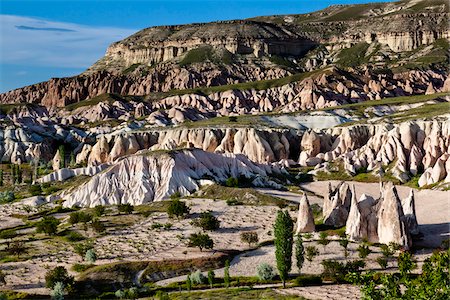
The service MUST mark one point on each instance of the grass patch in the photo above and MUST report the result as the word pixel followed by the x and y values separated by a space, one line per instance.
pixel 353 56
pixel 207 53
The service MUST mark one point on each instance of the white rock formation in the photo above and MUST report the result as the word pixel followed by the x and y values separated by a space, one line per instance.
pixel 305 217
pixel 409 209
pixel 336 205
pixel 146 177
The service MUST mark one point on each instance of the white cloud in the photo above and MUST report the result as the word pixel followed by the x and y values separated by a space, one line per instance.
pixel 34 42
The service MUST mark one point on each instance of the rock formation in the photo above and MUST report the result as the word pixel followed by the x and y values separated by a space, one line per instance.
pixel 305 217
pixel 336 205
pixel 409 210
pixel 146 177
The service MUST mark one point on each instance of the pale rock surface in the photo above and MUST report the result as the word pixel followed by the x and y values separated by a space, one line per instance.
pixel 305 217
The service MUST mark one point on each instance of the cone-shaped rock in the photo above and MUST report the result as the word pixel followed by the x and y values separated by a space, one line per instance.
pixel 392 226
pixel 409 209
pixel 337 205
pixel 305 219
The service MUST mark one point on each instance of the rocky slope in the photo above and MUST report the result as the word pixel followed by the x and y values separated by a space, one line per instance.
pixel 160 59
pixel 143 178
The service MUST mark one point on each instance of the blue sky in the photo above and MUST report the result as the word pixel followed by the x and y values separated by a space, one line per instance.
pixel 42 39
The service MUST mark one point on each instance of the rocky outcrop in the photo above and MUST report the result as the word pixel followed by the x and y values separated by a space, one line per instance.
pixel 336 205
pixel 305 217
pixel 64 174
pixel 409 210
pixel 362 222
pixel 146 177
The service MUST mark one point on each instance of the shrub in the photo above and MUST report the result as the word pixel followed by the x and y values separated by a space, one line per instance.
pixel 198 278
pixel 249 237
pixel 200 240
pixel 405 263
pixel 81 267
pixel 17 248
pixel 177 209
pixel 299 252
pixel 232 182
pixel 73 236
pixel 343 241
pixel 90 256
pixel 307 236
pixel 57 292
pixel 310 253
pixel 132 293
pixel 35 190
pixel 363 251
pixel 79 217
pixel 58 274
pixel 2 277
pixel 265 272
pixel 99 211
pixel 156 225
pixel 234 202
pixel 161 295
pixel 226 274
pixel 232 119
pixel 125 208
pixel 120 294
pixel 7 197
pixel 188 283
pixel 98 226
pixel 323 239
pixel 386 251
pixel 175 195
pixel 167 226
pixel 382 262
pixel 48 225
pixel 82 248
pixel 207 221
pixel 307 280
pixel 336 271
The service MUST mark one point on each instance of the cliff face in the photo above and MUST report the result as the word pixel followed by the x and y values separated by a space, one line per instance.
pixel 160 59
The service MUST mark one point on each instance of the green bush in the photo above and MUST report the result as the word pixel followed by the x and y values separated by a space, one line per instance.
pixel 7 197
pixel 249 237
pixel 232 182
pixel 79 217
pixel 98 226
pixel 200 240
pixel 90 256
pixel 234 202
pixel 48 225
pixel 35 190
pixel 81 267
pixel 363 251
pixel 73 236
pixel 125 208
pixel 99 210
pixel 58 274
pixel 265 272
pixel 336 271
pixel 177 209
pixel 207 221
pixel 382 262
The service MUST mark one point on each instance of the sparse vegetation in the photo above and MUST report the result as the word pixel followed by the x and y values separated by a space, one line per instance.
pixel 249 237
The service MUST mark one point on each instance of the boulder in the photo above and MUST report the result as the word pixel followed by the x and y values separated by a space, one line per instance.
pixel 305 218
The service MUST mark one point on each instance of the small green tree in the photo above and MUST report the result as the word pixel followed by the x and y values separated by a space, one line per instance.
pixel 120 294
pixel 299 252
pixel 62 156
pixel 386 251
pixel 82 248
pixel 17 248
pixel 232 182
pixel 1 177
pixel 405 263
pixel 226 274
pixel 177 209
pixel 58 274
pixel 249 237
pixel 382 262
pixel 35 190
pixel 90 256
pixel 48 225
pixel 310 253
pixel 19 175
pixel 201 241
pixel 211 277
pixel 99 210
pixel 98 226
pixel 207 221
pixel 2 277
pixel 323 239
pixel 283 230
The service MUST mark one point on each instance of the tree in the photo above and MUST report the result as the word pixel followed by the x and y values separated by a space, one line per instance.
pixel 226 274
pixel 386 251
pixel 2 277
pixel 405 263
pixel 323 239
pixel 198 278
pixel 90 256
pixel 8 235
pixel 265 272
pixel 211 277
pixel 299 252
pixel 35 190
pixel 62 156
pixel 1 177
pixel 57 292
pixel 19 175
pixel 249 237
pixel 200 240
pixel 125 208
pixel 48 225
pixel 207 221
pixel 283 229
pixel 311 252
pixel 58 274
pixel 232 182
pixel 79 217
pixel 177 209
pixel 343 241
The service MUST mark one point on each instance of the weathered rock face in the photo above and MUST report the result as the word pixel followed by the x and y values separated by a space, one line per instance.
pixel 384 220
pixel 143 178
pixel 305 218
pixel 392 226
pixel 336 205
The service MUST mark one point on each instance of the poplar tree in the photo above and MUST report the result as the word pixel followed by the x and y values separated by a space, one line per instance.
pixel 283 231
